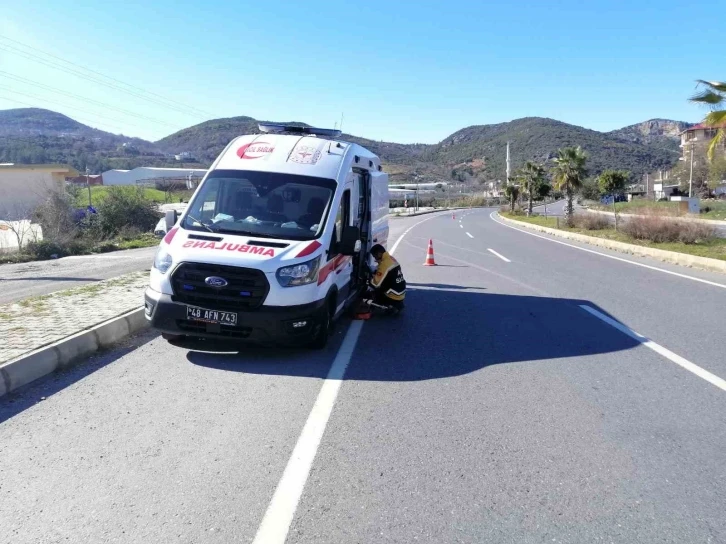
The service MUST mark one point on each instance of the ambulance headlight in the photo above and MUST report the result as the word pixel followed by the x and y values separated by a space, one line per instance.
pixel 299 274
pixel 162 260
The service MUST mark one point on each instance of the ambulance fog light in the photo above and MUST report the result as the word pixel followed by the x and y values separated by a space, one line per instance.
pixel 299 324
pixel 148 308
pixel 298 274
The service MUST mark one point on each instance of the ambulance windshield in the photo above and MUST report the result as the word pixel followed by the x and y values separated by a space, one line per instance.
pixel 263 204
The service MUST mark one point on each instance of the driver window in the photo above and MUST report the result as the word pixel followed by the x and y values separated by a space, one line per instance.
pixel 341 219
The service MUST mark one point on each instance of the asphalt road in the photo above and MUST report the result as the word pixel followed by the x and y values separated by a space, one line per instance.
pixel 496 409
pixel 20 281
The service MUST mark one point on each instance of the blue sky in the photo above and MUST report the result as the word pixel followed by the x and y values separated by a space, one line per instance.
pixel 399 70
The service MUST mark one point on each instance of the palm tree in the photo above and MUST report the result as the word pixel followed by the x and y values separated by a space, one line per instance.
pixel 568 173
pixel 532 175
pixel 512 192
pixel 713 95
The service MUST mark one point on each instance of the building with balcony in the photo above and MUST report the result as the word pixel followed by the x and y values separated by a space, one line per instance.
pixel 698 138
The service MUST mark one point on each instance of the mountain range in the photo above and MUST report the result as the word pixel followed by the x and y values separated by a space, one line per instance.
pixel 475 153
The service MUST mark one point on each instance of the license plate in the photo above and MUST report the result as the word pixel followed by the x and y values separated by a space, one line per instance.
pixel 211 316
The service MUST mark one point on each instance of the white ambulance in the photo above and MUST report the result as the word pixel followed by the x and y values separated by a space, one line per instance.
pixel 273 245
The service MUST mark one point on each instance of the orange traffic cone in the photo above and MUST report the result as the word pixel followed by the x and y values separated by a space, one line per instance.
pixel 430 255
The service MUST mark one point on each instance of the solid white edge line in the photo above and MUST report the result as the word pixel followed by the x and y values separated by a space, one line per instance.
pixel 281 510
pixel 502 257
pixel 469 235
pixel 668 354
pixel 693 278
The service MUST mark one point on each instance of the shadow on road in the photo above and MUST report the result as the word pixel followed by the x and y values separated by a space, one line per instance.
pixel 33 393
pixel 445 333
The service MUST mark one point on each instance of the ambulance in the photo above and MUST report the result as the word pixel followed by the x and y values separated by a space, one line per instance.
pixel 273 246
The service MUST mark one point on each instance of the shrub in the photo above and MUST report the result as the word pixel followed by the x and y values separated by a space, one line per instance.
pixel 591 221
pixel 126 207
pixel 56 217
pixel 45 249
pixel 660 229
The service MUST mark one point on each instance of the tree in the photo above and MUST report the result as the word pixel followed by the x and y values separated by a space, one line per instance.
pixel 613 182
pixel 568 173
pixel 512 193
pixel 714 95
pixel 532 176
pixel 717 172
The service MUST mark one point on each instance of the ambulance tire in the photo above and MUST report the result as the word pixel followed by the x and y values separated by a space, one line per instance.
pixel 321 333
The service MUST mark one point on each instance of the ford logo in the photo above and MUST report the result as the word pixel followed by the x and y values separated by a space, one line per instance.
pixel 216 281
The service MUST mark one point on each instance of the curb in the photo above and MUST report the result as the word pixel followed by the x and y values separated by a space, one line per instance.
pixel 682 259
pixel 70 350
pixel 676 217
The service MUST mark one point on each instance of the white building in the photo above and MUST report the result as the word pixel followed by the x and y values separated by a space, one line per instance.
pixel 147 174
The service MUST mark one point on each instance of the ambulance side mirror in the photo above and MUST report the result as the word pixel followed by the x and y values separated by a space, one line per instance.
pixel 350 241
pixel 170 217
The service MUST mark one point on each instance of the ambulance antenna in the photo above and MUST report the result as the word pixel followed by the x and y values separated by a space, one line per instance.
pixel 341 122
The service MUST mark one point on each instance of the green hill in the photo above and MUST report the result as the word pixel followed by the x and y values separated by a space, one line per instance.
pixel 475 153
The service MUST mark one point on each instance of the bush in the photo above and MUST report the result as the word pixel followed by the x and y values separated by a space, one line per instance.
pixel 56 217
pixel 662 230
pixel 591 221
pixel 126 207
pixel 45 249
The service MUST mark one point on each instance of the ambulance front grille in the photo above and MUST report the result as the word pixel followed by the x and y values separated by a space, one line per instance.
pixel 246 288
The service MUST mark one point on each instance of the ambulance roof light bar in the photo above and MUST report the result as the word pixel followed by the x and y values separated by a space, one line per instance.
pixel 276 129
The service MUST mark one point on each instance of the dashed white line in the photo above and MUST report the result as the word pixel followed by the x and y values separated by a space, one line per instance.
pixel 469 235
pixel 461 226
pixel 668 354
pixel 502 257
pixel 393 249
pixel 610 256
pixel 281 510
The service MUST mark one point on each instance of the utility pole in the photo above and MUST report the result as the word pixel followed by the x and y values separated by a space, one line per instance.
pixel 88 184
pixel 509 170
pixel 690 177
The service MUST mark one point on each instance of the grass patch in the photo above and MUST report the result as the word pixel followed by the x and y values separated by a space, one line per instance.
pixel 16 258
pixel 710 209
pixel 713 249
pixel 99 192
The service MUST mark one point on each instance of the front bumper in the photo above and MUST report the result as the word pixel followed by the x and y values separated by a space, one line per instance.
pixel 265 325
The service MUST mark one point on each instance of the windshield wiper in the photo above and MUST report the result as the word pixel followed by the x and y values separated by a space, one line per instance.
pixel 203 224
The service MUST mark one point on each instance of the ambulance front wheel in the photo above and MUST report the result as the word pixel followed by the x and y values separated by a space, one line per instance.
pixel 322 329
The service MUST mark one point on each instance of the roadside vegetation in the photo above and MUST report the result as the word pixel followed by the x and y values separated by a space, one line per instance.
pixel 710 209
pixel 124 219
pixel 655 231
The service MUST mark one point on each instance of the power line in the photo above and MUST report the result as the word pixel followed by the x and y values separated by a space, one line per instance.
pixel 42 99
pixel 45 53
pixel 114 127
pixel 84 99
pixel 94 79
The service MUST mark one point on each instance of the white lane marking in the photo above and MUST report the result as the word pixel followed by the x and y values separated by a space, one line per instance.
pixel 469 235
pixel 395 246
pixel 611 256
pixel 278 517
pixel 502 257
pixel 461 226
pixel 281 510
pixel 668 354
